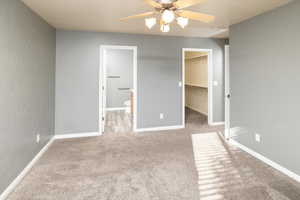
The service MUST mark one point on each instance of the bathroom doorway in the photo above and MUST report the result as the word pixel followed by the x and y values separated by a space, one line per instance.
pixel 118 89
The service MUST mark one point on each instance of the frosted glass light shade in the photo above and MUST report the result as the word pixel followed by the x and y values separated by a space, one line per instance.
pixel 168 16
pixel 150 22
pixel 182 21
pixel 165 28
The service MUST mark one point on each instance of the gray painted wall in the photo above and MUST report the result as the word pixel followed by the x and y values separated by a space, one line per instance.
pixel 27 73
pixel 159 71
pixel 265 69
pixel 119 63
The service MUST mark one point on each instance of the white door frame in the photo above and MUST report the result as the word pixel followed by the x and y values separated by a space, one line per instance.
pixel 102 83
pixel 210 82
pixel 227 92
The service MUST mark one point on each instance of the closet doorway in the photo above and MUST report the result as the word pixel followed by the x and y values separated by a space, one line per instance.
pixel 197 88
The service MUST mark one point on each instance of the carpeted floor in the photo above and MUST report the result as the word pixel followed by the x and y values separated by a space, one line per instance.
pixel 189 164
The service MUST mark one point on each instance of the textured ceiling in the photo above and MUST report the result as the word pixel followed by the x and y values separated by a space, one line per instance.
pixel 103 15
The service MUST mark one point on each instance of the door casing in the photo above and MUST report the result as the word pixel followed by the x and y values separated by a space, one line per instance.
pixel 210 82
pixel 227 93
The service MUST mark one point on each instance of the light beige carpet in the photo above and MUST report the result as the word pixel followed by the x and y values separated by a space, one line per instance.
pixel 225 172
pixel 184 164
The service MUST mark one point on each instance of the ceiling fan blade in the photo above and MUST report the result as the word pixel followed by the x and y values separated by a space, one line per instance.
pixel 138 16
pixel 180 4
pixel 153 3
pixel 196 16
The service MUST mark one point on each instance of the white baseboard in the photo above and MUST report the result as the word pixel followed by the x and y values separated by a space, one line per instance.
pixel 77 135
pixel 19 178
pixel 217 123
pixel 266 160
pixel 161 128
pixel 114 109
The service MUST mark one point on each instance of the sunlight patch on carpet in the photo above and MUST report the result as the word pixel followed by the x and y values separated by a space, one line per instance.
pixel 217 175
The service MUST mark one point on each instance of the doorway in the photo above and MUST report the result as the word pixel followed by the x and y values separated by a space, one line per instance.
pixel 118 89
pixel 197 87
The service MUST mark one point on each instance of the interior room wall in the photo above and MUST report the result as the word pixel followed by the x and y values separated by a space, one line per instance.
pixel 159 74
pixel 196 82
pixel 27 78
pixel 264 71
pixel 119 69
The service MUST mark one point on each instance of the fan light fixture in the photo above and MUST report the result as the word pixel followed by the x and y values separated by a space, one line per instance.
pixel 182 21
pixel 167 10
pixel 168 16
pixel 150 22
pixel 165 28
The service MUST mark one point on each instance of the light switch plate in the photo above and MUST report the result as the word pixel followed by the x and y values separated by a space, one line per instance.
pixel 180 84
pixel 38 138
pixel 257 137
pixel 161 116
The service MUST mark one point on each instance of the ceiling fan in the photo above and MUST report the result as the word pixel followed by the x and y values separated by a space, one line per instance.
pixel 169 10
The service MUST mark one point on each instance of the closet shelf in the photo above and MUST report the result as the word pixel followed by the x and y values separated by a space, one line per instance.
pixel 195 85
pixel 193 57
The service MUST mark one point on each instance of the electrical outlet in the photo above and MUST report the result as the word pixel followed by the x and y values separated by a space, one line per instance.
pixel 257 137
pixel 161 116
pixel 38 138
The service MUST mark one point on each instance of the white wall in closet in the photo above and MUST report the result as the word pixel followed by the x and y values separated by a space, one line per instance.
pixel 196 81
